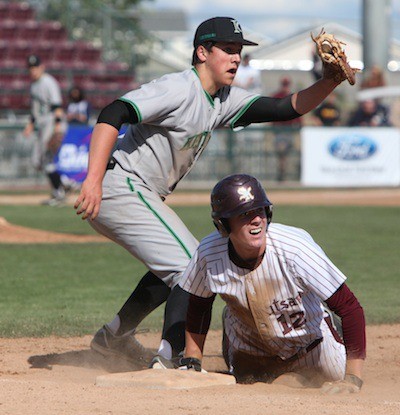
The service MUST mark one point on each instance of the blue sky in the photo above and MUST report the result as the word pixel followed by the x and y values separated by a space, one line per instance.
pixel 278 19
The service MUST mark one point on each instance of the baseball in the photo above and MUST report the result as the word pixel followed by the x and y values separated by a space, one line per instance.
pixel 326 47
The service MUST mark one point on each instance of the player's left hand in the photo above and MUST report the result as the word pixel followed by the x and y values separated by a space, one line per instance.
pixel 89 200
pixel 350 384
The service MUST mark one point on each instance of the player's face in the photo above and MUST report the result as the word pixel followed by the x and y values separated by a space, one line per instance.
pixel 223 61
pixel 35 72
pixel 248 233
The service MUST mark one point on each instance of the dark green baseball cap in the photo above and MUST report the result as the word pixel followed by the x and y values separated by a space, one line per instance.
pixel 220 29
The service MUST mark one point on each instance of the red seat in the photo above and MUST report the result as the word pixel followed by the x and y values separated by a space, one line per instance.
pixel 10 64
pixel 20 11
pixel 117 66
pixel 20 51
pixel 15 101
pixel 64 52
pixel 4 11
pixel 87 53
pixel 8 30
pixel 53 31
pixel 29 30
pixel 44 50
pixel 3 50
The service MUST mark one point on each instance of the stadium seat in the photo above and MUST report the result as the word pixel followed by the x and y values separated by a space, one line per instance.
pixel 64 52
pixel 53 31
pixel 87 53
pixel 19 52
pixel 3 49
pixel 29 30
pixel 4 11
pixel 20 11
pixel 44 50
pixel 8 30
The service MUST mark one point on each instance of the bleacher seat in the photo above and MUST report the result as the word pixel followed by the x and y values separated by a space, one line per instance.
pixel 44 49
pixel 85 52
pixel 4 11
pixel 16 101
pixel 53 31
pixel 8 30
pixel 64 52
pixel 71 62
pixel 29 30
pixel 20 11
pixel 3 49
pixel 19 52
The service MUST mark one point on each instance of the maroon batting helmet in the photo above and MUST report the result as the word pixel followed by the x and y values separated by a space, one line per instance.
pixel 234 195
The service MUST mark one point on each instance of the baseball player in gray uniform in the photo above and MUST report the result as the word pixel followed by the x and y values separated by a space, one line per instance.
pixel 171 120
pixel 273 279
pixel 47 117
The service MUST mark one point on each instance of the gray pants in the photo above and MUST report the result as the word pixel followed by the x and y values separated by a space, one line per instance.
pixel 137 219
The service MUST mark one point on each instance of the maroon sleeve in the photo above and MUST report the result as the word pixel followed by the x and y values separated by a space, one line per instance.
pixel 346 306
pixel 198 317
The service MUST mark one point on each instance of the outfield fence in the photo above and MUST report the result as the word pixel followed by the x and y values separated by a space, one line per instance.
pixel 257 150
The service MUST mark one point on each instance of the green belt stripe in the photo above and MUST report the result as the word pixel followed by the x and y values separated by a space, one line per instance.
pixel 174 235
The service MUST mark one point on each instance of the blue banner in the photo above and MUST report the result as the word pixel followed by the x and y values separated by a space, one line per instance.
pixel 72 157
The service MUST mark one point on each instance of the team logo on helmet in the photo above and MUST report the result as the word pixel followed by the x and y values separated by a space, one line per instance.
pixel 245 194
pixel 236 26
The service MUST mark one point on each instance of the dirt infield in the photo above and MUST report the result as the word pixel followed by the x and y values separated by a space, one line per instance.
pixel 57 376
pixel 357 197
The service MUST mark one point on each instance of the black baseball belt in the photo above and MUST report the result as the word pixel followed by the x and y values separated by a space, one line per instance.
pixel 304 351
pixel 111 163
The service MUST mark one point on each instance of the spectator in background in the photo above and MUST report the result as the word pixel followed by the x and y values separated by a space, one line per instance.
pixel 247 77
pixel 328 114
pixel 284 139
pixel 78 109
pixel 370 114
pixel 48 119
pixel 316 70
pixel 374 78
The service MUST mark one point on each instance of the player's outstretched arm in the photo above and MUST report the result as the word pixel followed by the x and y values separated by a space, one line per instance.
pixel 308 99
pixel 103 139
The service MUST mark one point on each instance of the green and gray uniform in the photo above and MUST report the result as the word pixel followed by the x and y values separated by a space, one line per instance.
pixel 176 118
pixel 45 97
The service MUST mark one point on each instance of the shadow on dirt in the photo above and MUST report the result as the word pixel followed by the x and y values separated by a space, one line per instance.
pixel 88 359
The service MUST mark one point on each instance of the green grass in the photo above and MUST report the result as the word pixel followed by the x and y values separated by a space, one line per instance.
pixel 71 289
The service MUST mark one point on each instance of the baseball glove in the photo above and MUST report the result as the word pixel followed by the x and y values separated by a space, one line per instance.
pixel 334 58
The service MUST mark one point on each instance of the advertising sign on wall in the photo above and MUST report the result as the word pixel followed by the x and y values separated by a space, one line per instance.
pixel 351 157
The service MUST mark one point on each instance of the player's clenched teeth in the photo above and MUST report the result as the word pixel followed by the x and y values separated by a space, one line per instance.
pixel 255 231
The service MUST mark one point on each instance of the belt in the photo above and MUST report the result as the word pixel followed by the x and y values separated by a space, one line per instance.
pixel 111 164
pixel 304 351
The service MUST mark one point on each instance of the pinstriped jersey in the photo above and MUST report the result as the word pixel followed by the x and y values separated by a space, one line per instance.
pixel 275 309
pixel 176 118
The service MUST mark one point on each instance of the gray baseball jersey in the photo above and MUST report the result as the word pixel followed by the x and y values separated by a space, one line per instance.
pixel 45 93
pixel 276 309
pixel 176 120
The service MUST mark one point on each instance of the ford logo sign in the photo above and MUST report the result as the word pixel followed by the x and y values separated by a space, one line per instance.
pixel 352 147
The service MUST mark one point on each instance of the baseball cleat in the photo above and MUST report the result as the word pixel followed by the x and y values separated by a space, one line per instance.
pixel 159 362
pixel 125 347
